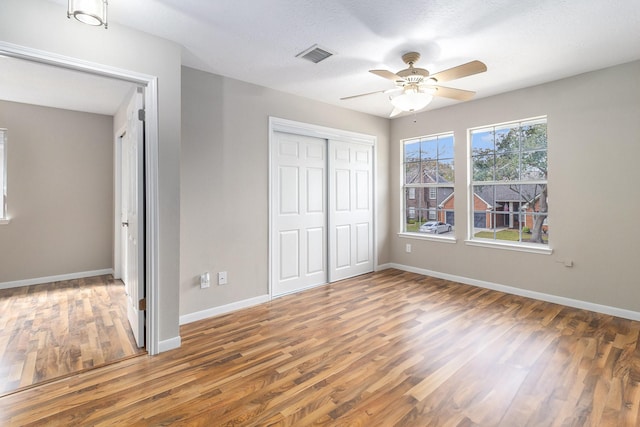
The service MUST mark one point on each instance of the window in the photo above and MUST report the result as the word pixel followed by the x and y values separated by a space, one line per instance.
pixel 3 174
pixel 509 183
pixel 412 193
pixel 428 181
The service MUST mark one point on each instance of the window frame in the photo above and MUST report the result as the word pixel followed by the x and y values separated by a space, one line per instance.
pixel 424 189
pixel 497 181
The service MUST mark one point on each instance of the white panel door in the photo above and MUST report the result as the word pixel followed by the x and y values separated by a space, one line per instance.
pixel 298 211
pixel 133 217
pixel 350 209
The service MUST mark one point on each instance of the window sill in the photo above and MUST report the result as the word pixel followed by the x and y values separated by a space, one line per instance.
pixel 4 221
pixel 510 247
pixel 431 237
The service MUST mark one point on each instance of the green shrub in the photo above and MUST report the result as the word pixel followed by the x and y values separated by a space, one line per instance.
pixel 526 230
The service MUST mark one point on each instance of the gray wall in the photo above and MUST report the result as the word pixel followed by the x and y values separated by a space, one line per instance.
pixel 43 25
pixel 594 203
pixel 60 199
pixel 224 181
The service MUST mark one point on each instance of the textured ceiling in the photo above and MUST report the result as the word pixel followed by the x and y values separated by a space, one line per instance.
pixel 522 42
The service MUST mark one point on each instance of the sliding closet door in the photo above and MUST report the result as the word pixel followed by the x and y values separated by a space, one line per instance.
pixel 350 209
pixel 298 209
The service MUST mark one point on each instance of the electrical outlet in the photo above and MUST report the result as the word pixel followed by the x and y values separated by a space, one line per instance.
pixel 407 248
pixel 205 280
pixel 222 278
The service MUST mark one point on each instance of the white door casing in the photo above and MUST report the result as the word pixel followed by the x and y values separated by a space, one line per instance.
pixel 347 229
pixel 299 207
pixel 350 209
pixel 152 231
pixel 133 217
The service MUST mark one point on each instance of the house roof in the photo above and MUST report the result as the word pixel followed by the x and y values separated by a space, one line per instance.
pixel 499 194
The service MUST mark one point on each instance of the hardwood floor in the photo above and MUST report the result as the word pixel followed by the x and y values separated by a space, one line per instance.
pixel 56 329
pixel 383 349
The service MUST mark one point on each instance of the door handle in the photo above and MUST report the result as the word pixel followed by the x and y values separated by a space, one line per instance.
pixel 125 224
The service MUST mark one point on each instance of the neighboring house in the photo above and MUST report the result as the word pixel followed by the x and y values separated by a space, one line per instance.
pixel 422 202
pixel 506 208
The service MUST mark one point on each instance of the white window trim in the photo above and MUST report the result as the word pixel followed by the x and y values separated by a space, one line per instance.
pixel 431 237
pixel 498 244
pixel 402 207
pixel 519 247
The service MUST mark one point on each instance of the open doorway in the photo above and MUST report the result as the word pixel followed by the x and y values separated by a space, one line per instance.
pixel 143 241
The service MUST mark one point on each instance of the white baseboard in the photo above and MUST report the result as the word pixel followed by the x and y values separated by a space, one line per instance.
pixel 585 305
pixel 381 267
pixel 223 309
pixel 58 278
pixel 169 344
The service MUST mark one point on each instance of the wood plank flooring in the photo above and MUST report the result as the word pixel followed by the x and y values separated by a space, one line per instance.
pixel 55 329
pixel 383 349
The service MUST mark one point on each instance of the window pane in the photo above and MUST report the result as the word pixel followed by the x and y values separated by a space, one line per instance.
pixel 412 151
pixel 411 173
pixel 507 139
pixel 445 147
pixel 449 217
pixel 483 168
pixel 446 172
pixel 429 149
pixel 535 228
pixel 482 141
pixel 507 167
pixel 445 197
pixel 534 165
pixel 429 172
pixel 534 135
pixel 411 202
pixel 411 224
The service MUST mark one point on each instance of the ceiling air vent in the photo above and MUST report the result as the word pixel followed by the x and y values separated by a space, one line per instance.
pixel 315 54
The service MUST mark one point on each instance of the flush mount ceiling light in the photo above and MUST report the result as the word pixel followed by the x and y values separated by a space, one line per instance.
pixel 91 12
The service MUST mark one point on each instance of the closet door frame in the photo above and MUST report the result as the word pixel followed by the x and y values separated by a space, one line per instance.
pixel 299 128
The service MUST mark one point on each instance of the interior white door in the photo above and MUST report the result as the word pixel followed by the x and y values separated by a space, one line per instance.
pixel 350 209
pixel 298 211
pixel 133 216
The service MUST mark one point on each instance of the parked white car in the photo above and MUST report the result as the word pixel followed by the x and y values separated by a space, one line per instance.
pixel 436 227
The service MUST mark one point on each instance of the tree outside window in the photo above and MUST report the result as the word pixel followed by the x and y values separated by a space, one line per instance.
pixel 509 182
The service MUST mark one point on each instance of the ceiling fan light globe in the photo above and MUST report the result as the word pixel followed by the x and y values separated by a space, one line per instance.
pixel 411 100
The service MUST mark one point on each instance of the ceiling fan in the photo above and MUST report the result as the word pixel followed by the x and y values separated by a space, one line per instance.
pixel 417 87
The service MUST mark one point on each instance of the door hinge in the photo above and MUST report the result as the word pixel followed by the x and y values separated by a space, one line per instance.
pixel 141 115
pixel 142 304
